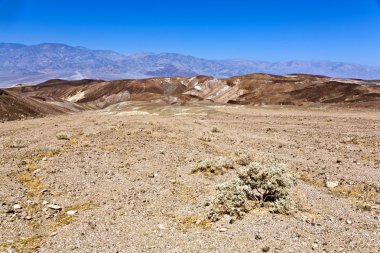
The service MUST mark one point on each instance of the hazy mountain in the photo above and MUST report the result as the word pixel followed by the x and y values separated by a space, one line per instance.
pixel 33 64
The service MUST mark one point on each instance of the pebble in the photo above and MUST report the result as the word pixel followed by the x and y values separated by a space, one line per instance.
pixel 161 226
pixel 265 249
pixel 28 217
pixel 54 207
pixel 45 202
pixel 71 212
pixel 222 229
pixel 172 181
pixel 332 184
pixel 17 206
pixel 44 159
pixel 348 222
pixel 11 250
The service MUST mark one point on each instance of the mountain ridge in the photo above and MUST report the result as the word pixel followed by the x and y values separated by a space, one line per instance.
pixel 37 63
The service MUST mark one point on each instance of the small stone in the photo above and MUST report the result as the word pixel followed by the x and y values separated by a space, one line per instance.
pixel 223 229
pixel 153 175
pixel 332 184
pixel 258 237
pixel 28 217
pixel 348 222
pixel 11 250
pixel 54 207
pixel 45 202
pixel 44 159
pixel 161 226
pixel 43 190
pixel 72 212
pixel 54 233
pixel 172 181
pixel 17 206
pixel 265 249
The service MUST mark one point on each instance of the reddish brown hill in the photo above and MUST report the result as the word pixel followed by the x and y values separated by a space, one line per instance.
pixel 297 89
pixel 14 106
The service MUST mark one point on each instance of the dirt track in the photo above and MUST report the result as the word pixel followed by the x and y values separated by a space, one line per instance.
pixel 126 171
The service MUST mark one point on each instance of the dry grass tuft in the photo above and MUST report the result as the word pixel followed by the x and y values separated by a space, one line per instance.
pixel 192 222
pixel 22 245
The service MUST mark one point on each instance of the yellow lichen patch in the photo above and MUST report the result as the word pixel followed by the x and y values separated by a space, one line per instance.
pixel 371 158
pixel 64 219
pixel 184 192
pixel 80 207
pixel 32 183
pixel 23 244
pixel 363 194
pixel 192 222
pixel 360 142
pixel 310 181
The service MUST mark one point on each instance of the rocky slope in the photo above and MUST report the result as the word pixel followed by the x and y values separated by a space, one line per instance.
pixel 14 106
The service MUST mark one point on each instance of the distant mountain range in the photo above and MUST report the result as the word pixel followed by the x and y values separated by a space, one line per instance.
pixel 34 64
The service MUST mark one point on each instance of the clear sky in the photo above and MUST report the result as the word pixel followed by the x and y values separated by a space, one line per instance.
pixel 335 30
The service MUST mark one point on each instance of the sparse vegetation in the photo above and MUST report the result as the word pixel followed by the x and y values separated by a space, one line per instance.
pixel 216 166
pixel 215 130
pixel 205 137
pixel 256 186
pixel 63 136
pixel 192 222
pixel 16 144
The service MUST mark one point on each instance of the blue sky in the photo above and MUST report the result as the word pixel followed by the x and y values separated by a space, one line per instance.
pixel 335 30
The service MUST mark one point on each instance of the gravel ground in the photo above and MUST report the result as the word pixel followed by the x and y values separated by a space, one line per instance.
pixel 120 180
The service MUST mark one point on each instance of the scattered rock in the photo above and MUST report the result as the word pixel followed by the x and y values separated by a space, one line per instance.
pixel 153 175
pixel 258 237
pixel 331 184
pixel 161 226
pixel 17 206
pixel 44 159
pixel 265 249
pixel 11 250
pixel 72 212
pixel 54 207
pixel 348 222
pixel 222 229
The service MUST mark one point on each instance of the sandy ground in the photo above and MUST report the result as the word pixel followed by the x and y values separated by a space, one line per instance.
pixel 125 172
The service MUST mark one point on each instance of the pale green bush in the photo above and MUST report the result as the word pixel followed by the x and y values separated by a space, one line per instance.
pixel 256 186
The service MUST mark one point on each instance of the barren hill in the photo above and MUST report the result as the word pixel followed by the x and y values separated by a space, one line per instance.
pixel 14 106
pixel 255 89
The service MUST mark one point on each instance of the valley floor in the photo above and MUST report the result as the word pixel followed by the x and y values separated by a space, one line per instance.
pixel 125 172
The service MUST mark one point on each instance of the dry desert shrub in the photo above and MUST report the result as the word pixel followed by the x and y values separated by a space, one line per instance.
pixel 256 186
pixel 217 166
pixel 63 136
pixel 206 137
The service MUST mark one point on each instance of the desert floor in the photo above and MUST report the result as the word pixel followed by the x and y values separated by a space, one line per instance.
pixel 125 172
